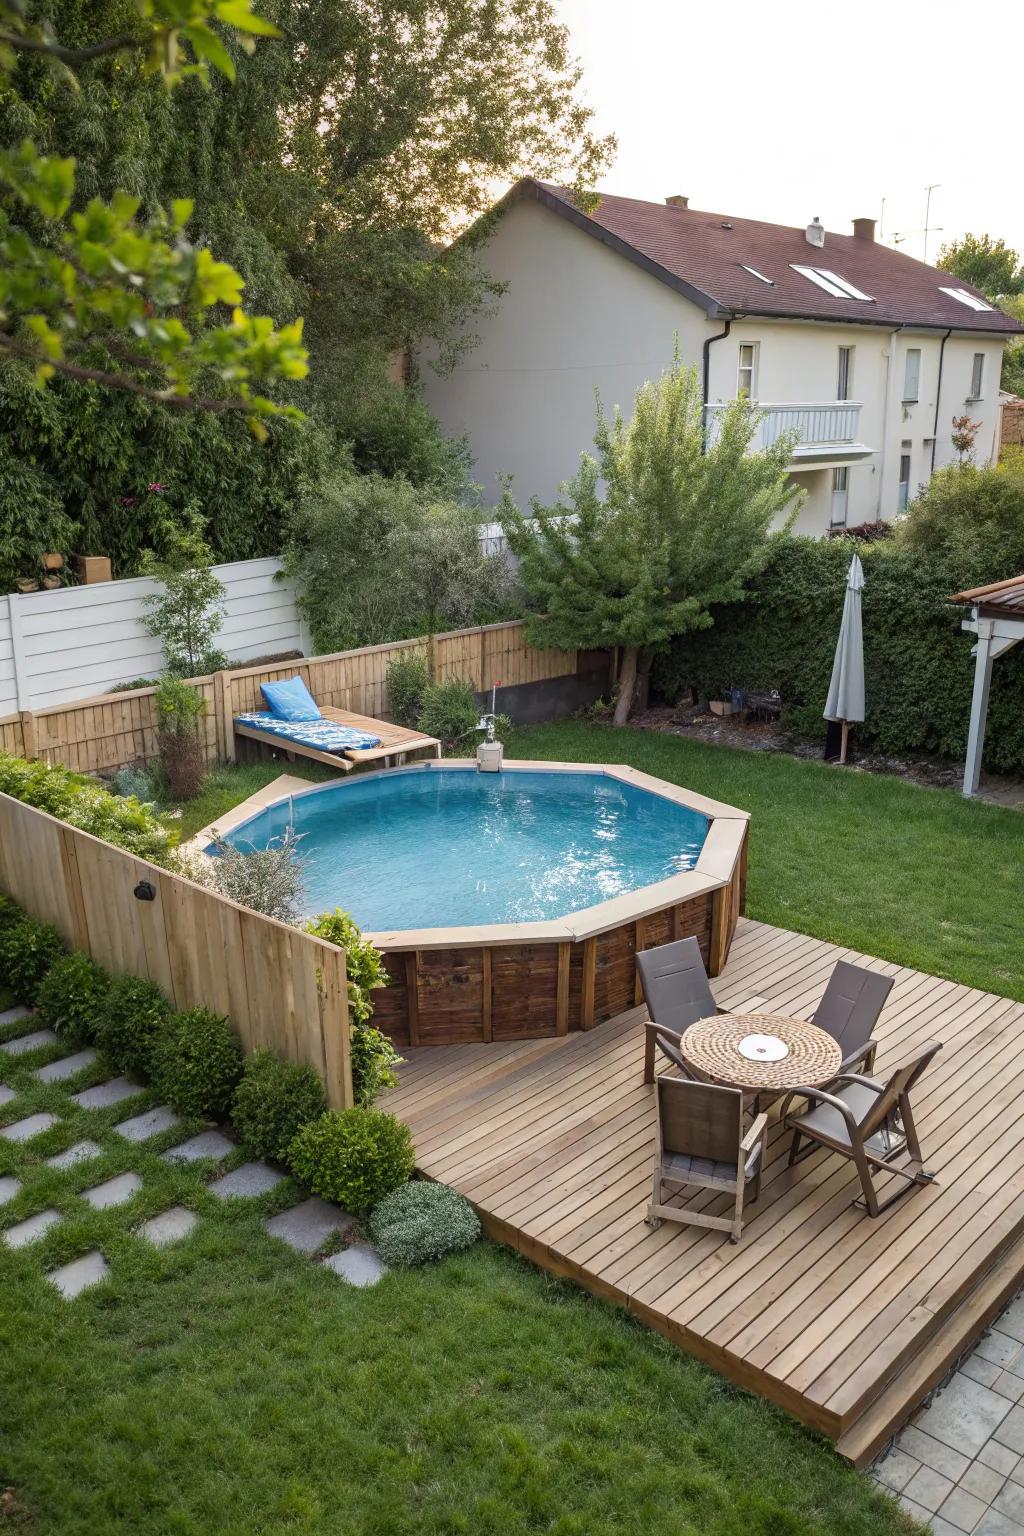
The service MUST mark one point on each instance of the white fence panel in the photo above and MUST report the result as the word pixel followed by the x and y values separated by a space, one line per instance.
pixel 8 676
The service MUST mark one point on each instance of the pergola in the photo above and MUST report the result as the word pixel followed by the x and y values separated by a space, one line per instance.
pixel 997 618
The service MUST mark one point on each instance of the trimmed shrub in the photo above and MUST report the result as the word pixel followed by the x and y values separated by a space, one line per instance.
pixel 197 1061
pixel 422 1222
pixel 364 965
pixel 407 681
pixel 10 912
pixel 272 1103
pixel 267 880
pixel 83 804
pixel 355 1157
pixel 449 712
pixel 374 1059
pixel 72 998
pixel 134 1014
pixel 27 951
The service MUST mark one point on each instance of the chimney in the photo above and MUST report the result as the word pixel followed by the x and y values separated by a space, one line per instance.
pixel 677 200
pixel 814 234
pixel 864 229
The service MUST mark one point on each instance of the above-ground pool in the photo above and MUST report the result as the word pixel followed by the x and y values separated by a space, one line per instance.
pixel 512 905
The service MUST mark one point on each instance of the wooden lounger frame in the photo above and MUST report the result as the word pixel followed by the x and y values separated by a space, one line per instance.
pixel 395 742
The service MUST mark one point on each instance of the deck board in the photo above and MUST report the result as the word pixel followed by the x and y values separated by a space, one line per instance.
pixel 818 1308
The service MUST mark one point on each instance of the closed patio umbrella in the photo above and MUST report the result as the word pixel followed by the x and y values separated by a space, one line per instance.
pixel 846 690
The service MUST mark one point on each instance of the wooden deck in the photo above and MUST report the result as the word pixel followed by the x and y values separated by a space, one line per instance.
pixel 844 1321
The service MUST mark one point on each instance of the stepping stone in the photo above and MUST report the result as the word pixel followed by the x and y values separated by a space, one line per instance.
pixel 6 1094
pixel 965 1414
pixel 359 1265
pixel 24 1130
pixel 8 1189
pixel 81 1152
pixel 304 1227
pixel 66 1066
pixel 150 1123
pixel 71 1279
pixel 25 1232
pixel 206 1144
pixel 22 1044
pixel 169 1227
pixel 114 1191
pixel 105 1094
pixel 249 1180
pixel 13 1015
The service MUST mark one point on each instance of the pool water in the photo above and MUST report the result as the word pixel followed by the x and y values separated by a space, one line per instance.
pixel 453 847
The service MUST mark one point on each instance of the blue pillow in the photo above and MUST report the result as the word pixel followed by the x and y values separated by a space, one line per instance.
pixel 290 700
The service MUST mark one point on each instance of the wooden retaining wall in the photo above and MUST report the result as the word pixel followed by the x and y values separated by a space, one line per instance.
pixel 280 988
pixel 100 735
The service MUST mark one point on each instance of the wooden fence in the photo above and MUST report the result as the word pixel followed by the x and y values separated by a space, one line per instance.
pixel 279 987
pixel 102 734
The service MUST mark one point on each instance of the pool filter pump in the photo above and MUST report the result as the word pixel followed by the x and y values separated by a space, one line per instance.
pixel 490 751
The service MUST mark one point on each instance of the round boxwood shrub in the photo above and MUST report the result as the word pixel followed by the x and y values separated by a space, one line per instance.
pixel 72 997
pixel 134 1014
pixel 272 1103
pixel 421 1222
pixel 27 950
pixel 196 1062
pixel 355 1157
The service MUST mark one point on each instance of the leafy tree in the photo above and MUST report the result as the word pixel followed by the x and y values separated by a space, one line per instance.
pixel 187 615
pixel 973 518
pixel 1012 379
pixel 679 524
pixel 986 263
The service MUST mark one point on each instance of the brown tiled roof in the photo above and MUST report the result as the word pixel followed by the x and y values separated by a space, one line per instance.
pixel 999 597
pixel 702 256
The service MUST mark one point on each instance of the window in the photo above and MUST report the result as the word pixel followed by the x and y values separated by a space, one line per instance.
pixel 844 383
pixel 832 283
pixel 970 299
pixel 759 275
pixel 912 376
pixel 903 494
pixel 840 495
pixel 746 378
pixel 977 376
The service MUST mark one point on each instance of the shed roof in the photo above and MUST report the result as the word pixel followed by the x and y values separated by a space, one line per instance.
pixel 999 597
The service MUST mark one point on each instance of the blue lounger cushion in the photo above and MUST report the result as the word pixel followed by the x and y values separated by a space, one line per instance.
pixel 290 700
pixel 322 735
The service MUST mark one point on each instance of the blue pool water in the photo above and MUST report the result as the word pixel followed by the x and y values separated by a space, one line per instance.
pixel 440 848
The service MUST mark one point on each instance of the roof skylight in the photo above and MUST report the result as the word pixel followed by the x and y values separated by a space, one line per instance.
pixel 970 299
pixel 832 283
pixel 759 275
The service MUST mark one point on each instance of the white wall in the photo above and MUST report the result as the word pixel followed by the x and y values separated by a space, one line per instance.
pixel 80 641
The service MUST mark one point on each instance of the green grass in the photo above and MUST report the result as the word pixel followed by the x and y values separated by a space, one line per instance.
pixel 225 787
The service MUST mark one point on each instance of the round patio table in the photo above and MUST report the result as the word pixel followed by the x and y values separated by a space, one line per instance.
pixel 761 1052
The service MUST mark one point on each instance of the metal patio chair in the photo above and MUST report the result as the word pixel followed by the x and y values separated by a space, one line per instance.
pixel 702 1143
pixel 868 1121
pixel 849 1010
pixel 677 993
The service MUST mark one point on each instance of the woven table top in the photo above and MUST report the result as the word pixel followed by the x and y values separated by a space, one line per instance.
pixel 712 1047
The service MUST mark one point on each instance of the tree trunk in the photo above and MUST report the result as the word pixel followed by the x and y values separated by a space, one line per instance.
pixel 627 684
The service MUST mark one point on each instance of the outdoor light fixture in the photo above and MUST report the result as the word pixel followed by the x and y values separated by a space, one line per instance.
pixel 144 891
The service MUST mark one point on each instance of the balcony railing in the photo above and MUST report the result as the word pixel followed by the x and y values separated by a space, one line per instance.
pixel 816 428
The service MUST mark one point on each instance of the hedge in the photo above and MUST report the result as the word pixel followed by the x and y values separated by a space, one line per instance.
pixel 919 672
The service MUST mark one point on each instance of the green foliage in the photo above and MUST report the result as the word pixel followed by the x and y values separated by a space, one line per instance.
pixel 986 263
pixel 407 682
pixel 374 1060
pixel 272 1103
pixel 448 711
pixel 196 1062
pixel 72 998
pixel 189 612
pixel 392 433
pixel 179 708
pixel 136 780
pixel 135 1014
pixel 27 951
pixel 82 803
pixel 355 1157
pixel 972 517
pixel 422 1222
pixel 364 964
pixel 267 880
pixel 1012 379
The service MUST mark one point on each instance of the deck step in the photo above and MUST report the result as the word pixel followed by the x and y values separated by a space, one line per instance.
pixel 861 1443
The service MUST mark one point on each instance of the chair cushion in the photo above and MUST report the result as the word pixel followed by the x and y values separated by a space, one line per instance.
pixel 823 1120
pixel 290 700
pixel 706 1170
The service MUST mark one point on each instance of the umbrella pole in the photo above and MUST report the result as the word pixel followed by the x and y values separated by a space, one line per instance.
pixel 846 738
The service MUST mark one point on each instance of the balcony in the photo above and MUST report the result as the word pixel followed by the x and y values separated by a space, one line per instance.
pixel 825 434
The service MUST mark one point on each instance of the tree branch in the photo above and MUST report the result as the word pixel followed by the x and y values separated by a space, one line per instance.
pixel 122 381
pixel 72 57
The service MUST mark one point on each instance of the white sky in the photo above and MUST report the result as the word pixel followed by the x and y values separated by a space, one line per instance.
pixel 782 109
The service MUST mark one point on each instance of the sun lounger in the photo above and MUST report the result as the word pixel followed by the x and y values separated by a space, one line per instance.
pixel 339 738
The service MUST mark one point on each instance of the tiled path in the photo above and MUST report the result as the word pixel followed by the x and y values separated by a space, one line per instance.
pixel 307 1227
pixel 959 1464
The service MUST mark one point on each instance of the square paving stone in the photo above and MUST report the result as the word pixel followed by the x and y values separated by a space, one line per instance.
pixel 1000 1348
pixel 928 1488
pixel 24 1130
pixel 980 1370
pixel 965 1414
pixel 1012 1320
pixel 206 1144
pixel 169 1227
pixel 304 1227
pixel 66 1066
pixel 942 1458
pixel 996 1524
pixel 150 1123
pixel 359 1265
pixel 1011 1502
pixel 105 1094
pixel 22 1044
pixel 918 1511
pixel 984 1482
pixel 963 1509
pixel 6 1094
pixel 12 1015
pixel 1011 1430
pixel 8 1189
pixel 251 1179
pixel 114 1191
pixel 81 1152
pixel 1009 1384
pixel 1000 1457
pixel 26 1232
pixel 71 1279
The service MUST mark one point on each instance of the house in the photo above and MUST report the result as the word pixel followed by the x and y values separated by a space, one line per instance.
pixel 862 352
